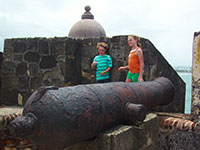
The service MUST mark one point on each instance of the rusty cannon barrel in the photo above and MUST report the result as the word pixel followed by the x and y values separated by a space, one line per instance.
pixel 54 118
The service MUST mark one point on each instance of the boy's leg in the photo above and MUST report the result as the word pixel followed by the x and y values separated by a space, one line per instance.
pixel 103 81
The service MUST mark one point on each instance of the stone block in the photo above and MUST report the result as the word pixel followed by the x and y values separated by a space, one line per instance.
pixel 24 95
pixel 43 46
pixel 20 46
pixel 125 137
pixel 35 82
pixel 9 80
pixel 58 46
pixel 18 57
pixel 21 69
pixel 178 140
pixel 48 62
pixel 9 67
pixel 8 50
pixel 31 57
pixel 23 82
pixel 10 110
pixel 33 69
pixel 10 96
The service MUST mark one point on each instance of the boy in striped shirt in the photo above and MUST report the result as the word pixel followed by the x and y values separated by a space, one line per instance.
pixel 102 63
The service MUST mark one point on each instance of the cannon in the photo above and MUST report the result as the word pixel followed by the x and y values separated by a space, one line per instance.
pixel 54 118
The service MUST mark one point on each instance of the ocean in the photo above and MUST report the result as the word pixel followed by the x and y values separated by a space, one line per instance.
pixel 187 78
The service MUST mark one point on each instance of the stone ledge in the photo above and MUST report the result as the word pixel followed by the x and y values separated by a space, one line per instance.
pixel 125 137
pixel 183 122
pixel 6 110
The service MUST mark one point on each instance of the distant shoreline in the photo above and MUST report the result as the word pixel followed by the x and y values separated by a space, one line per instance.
pixel 183 69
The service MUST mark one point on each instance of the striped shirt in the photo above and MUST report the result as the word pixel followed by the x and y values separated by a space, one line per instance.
pixel 103 62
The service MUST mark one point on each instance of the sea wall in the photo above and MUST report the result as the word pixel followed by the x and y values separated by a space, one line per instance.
pixel 33 62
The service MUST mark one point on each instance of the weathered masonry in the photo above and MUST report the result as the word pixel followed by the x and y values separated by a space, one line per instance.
pixel 33 62
pixel 196 73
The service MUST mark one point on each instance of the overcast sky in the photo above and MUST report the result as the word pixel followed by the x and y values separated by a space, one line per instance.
pixel 168 24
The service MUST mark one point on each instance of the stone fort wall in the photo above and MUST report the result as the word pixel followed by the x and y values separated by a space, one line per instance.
pixel 33 62
pixel 196 74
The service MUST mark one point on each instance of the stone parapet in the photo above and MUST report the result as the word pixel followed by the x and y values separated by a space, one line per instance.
pixel 182 122
pixel 178 132
pixel 123 137
pixel 33 62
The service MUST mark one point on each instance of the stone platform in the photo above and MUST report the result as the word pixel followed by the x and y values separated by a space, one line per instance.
pixel 125 137
pixel 6 110
pixel 122 137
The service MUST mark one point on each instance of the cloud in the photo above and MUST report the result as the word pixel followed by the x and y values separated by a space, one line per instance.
pixel 169 25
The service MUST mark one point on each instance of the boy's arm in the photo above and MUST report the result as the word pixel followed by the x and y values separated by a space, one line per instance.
pixel 109 66
pixel 93 65
pixel 105 71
